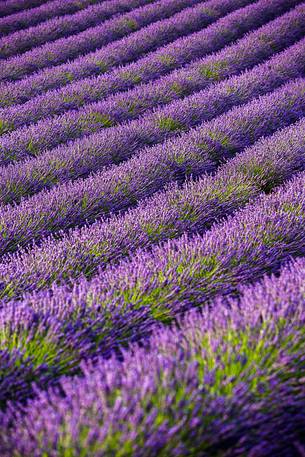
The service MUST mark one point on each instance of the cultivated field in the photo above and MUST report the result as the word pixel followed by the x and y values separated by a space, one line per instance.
pixel 152 228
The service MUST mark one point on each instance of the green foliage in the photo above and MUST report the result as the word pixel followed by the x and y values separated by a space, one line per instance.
pixel 88 119
pixel 68 76
pixel 98 249
pixel 35 346
pixel 218 137
pixel 293 209
pixel 169 124
pixel 32 148
pixel 242 351
pixel 177 88
pixel 238 189
pixel 15 188
pixel 74 99
pixel 132 77
pixel 213 71
pixel 187 212
pixel 5 126
pixel 132 106
pixel 205 269
pixel 158 231
pixel 129 23
pixel 167 59
pixel 185 159
pixel 55 164
pixel 101 66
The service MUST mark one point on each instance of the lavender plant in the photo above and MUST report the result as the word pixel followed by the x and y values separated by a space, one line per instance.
pixel 152 238
pixel 105 193
pixel 179 274
pixel 191 209
pixel 250 50
pixel 56 27
pixel 127 49
pixel 174 55
pixel 153 128
pixel 9 7
pixel 226 355
pixel 21 14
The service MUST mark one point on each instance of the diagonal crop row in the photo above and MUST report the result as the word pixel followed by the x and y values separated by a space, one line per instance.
pixel 192 153
pixel 65 325
pixel 152 228
pixel 207 401
pixel 118 144
pixel 166 121
pixel 9 7
pixel 21 14
pixel 247 52
pixel 179 274
pixel 126 49
pixel 63 26
pixel 127 27
pixel 194 208
pixel 152 66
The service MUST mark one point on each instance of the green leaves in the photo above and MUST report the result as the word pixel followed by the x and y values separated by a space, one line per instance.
pixel 169 124
pixel 213 70
pixel 5 126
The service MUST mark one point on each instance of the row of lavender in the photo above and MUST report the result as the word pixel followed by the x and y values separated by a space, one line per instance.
pixel 96 37
pixel 228 381
pixel 208 387
pixel 166 58
pixel 125 50
pixel 189 209
pixel 58 165
pixel 9 7
pixel 250 50
pixel 57 27
pixel 107 192
pixel 169 121
pixel 21 14
pixel 51 332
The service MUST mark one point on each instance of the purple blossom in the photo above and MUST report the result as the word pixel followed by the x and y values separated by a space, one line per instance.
pixel 152 242
pixel 192 208
pixel 135 403
pixel 195 152
pixel 125 50
pixel 55 27
pixel 174 55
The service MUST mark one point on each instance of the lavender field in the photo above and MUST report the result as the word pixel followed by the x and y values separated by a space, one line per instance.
pixel 152 228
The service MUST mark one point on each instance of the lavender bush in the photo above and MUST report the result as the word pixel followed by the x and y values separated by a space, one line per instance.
pixel 128 49
pixel 171 120
pixel 247 52
pixel 191 209
pixel 152 228
pixel 162 61
pixel 105 193
pixel 56 27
